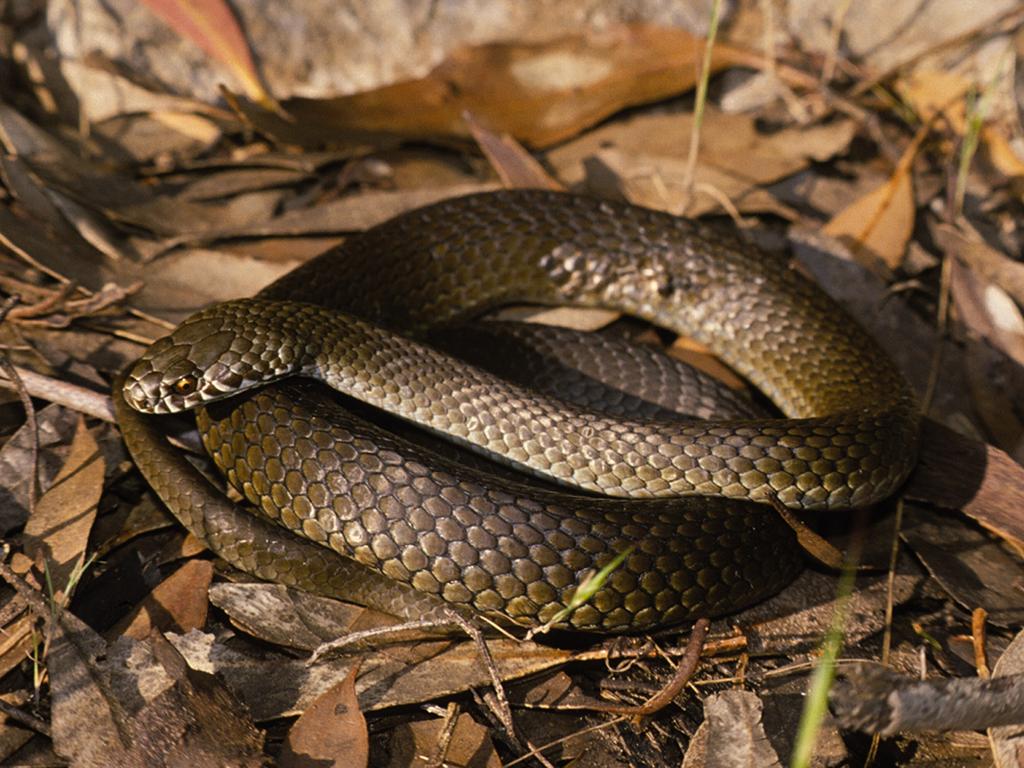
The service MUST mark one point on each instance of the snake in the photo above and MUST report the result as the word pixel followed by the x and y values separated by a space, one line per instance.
pixel 683 501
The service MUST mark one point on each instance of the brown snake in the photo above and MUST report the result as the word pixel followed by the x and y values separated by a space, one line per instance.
pixel 849 439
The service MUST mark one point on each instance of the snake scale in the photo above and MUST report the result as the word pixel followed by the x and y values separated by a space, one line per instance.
pixel 697 542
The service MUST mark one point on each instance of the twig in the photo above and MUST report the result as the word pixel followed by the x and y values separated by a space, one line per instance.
pixel 978 641
pixel 809 540
pixel 353 638
pixel 18 716
pixel 61 392
pixel 684 671
pixel 535 752
pixel 838 21
pixel 8 369
pixel 875 699
pixel 453 620
pixel 451 719
pixel 502 710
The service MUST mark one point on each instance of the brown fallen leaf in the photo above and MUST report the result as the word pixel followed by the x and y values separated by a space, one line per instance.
pixel 286 617
pixel 178 604
pixel 514 165
pixel 970 566
pixel 644 158
pixel 331 732
pixel 56 427
pixel 798 617
pixel 931 93
pixel 698 356
pixel 996 383
pixel 58 533
pixel 416 744
pixel 984 260
pixel 351 213
pixel 878 226
pixel 234 181
pixel 988 311
pixel 539 93
pixel 118 198
pixel 1008 740
pixel 138 705
pixel 279 686
pixel 577 318
pixel 172 291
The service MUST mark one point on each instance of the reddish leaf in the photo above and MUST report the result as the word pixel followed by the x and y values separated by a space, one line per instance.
pixel 212 26
pixel 331 732
pixel 178 604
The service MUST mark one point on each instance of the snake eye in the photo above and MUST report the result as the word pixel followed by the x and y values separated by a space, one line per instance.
pixel 186 385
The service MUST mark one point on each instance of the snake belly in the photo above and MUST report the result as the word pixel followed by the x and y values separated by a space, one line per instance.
pixel 850 437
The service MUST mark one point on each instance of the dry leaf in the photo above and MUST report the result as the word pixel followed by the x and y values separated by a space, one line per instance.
pixel 56 427
pixel 577 318
pixel 17 639
pixel 988 311
pixel 879 225
pixel 88 721
pixel 932 92
pixel 973 568
pixel 58 532
pixel 798 617
pixel 736 736
pixel 415 745
pixel 644 158
pixel 539 93
pixel 1008 741
pixel 211 24
pixel 514 165
pixel 351 213
pixel 284 616
pixel 177 604
pixel 1000 153
pixel 172 290
pixel 331 732
pixel 698 356
pixel 278 686
pixel 137 704
pixel 983 260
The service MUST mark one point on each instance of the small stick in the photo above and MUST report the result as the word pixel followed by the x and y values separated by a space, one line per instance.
pixel 63 393
pixel 876 700
pixel 684 671
pixel 451 719
pixel 18 716
pixel 503 709
pixel 978 641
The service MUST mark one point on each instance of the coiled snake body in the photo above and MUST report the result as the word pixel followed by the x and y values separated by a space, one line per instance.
pixel 848 439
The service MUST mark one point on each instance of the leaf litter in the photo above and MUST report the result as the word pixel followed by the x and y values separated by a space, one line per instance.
pixel 172 200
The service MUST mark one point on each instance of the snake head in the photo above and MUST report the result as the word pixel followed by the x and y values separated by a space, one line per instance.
pixel 220 352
